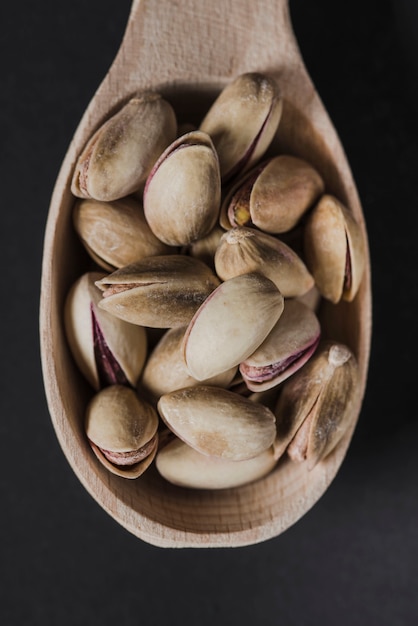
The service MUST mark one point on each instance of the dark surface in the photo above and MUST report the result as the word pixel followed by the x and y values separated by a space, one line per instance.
pixel 352 560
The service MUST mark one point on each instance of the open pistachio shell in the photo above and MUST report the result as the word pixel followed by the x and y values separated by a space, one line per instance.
pixel 159 292
pixel 116 233
pixel 334 249
pixel 230 325
pixel 122 430
pixel 182 465
pixel 119 156
pixel 217 422
pixel 288 346
pixel 106 349
pixel 183 191
pixel 316 404
pixel 242 250
pixel 243 121
pixel 274 196
pixel 166 370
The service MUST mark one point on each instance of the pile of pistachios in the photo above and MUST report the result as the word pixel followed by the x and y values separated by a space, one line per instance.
pixel 196 322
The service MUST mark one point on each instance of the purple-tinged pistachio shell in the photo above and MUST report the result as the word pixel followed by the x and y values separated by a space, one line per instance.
pixel 288 346
pixel 119 156
pixel 166 370
pixel 274 196
pixel 230 325
pixel 159 291
pixel 242 250
pixel 182 465
pixel 317 404
pixel 243 121
pixel 182 194
pixel 116 233
pixel 335 250
pixel 122 431
pixel 218 422
pixel 107 350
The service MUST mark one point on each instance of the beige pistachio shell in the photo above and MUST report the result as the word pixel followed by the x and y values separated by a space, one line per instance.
pixel 183 191
pixel 116 233
pixel 243 121
pixel 230 325
pixel 289 345
pixel 106 349
pixel 119 156
pixel 182 465
pixel 315 407
pixel 217 422
pixel 204 249
pixel 159 292
pixel 122 427
pixel 166 370
pixel 242 250
pixel 334 249
pixel 275 195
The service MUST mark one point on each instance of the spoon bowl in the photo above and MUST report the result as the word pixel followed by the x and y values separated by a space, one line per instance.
pixel 189 52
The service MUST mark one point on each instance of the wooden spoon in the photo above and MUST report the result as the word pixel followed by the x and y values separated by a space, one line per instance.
pixel 189 51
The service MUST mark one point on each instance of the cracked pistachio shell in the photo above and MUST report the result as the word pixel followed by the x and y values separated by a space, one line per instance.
pixel 182 465
pixel 122 431
pixel 119 156
pixel 218 422
pixel 316 404
pixel 182 194
pixel 106 349
pixel 159 292
pixel 166 370
pixel 243 121
pixel 274 196
pixel 115 233
pixel 335 249
pixel 230 325
pixel 242 250
pixel 289 345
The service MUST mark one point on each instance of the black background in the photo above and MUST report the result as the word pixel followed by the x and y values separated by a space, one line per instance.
pixel 353 559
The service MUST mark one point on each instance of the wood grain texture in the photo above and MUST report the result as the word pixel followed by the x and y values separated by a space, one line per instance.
pixel 189 50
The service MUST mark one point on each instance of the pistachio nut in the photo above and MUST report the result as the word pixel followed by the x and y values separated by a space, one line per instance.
pixel 107 350
pixel 122 431
pixel 316 404
pixel 116 233
pixel 242 250
pixel 288 346
pixel 159 291
pixel 218 422
pixel 182 194
pixel 205 248
pixel 243 121
pixel 334 249
pixel 230 325
pixel 166 370
pixel 182 465
pixel 119 156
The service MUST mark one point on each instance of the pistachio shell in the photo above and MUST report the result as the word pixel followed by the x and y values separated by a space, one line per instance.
pixel 106 349
pixel 116 233
pixel 183 191
pixel 317 403
pixel 159 291
pixel 122 427
pixel 243 121
pixel 204 249
pixel 182 465
pixel 217 422
pixel 166 370
pixel 232 322
pixel 242 250
pixel 334 249
pixel 119 156
pixel 288 346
